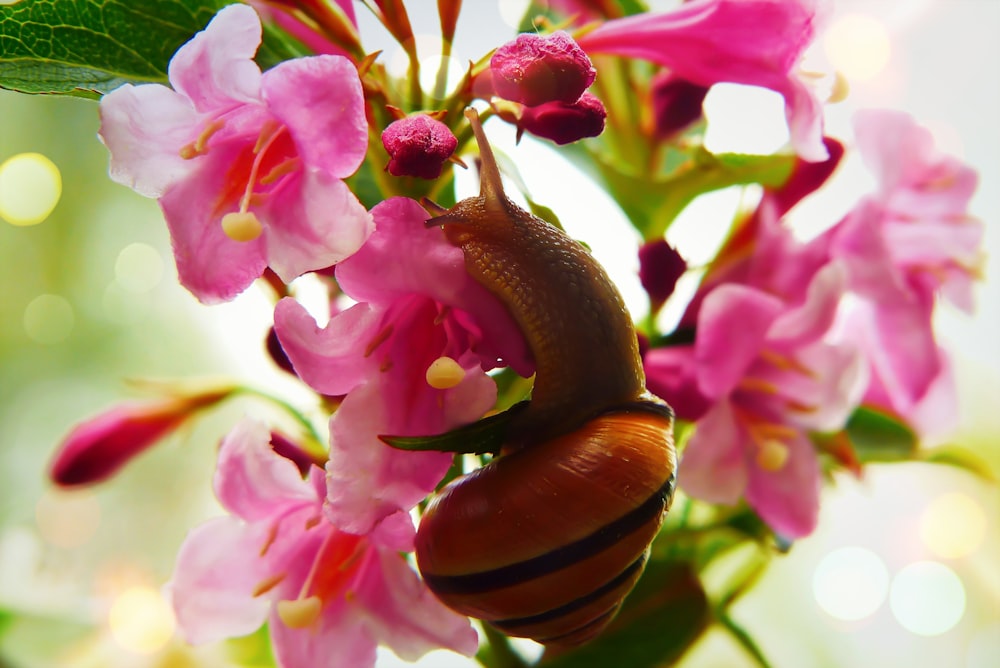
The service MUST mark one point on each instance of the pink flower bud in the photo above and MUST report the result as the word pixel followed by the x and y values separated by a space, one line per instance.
pixel 660 266
pixel 565 123
pixel 676 104
pixel 95 449
pixel 418 146
pixel 534 70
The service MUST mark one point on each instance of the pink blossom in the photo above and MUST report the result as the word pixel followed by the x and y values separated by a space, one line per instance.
pixel 329 597
pixel 97 448
pixel 751 42
pixel 245 166
pixel 905 244
pixel 416 305
pixel 767 379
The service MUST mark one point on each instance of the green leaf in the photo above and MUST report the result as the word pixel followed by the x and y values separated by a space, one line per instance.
pixel 880 437
pixel 957 456
pixel 90 47
pixel 662 617
pixel 481 437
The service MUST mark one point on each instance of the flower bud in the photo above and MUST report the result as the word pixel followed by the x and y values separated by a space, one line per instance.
pixel 565 123
pixel 95 449
pixel 533 69
pixel 660 267
pixel 418 146
pixel 676 104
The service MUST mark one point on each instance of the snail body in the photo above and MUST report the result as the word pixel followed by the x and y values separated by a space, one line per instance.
pixel 547 539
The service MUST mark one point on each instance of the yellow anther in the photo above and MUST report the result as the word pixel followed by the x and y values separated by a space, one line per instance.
pixel 300 613
pixel 268 584
pixel 241 226
pixel 444 373
pixel 772 455
pixel 279 170
pixel 200 145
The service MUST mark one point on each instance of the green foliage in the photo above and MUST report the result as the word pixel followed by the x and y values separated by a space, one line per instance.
pixel 880 437
pixel 90 47
pixel 485 436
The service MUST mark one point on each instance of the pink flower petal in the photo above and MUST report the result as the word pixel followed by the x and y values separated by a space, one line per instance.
pixel 713 465
pixel 336 140
pixel 672 374
pixel 809 321
pixel 332 359
pixel 251 481
pixel 212 266
pixel 404 615
pixel 144 128
pixel 732 325
pixel 788 499
pixel 338 640
pixel 216 572
pixel 316 222
pixel 215 70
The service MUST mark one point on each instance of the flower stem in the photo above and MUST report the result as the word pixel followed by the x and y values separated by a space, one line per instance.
pixel 498 653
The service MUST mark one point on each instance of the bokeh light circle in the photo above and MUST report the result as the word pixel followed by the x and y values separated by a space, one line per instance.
pixel 953 526
pixel 138 268
pixel 850 583
pixel 927 598
pixel 858 46
pixel 30 187
pixel 48 319
pixel 140 620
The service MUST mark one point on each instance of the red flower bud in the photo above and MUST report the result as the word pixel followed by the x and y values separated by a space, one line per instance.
pixel 95 449
pixel 565 123
pixel 676 104
pixel 418 146
pixel 660 267
pixel 534 70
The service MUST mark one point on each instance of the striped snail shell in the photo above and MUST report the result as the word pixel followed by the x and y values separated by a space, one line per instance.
pixel 547 539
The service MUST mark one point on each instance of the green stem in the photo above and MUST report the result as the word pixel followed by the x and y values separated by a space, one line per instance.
pixel 498 653
pixel 745 641
pixel 297 415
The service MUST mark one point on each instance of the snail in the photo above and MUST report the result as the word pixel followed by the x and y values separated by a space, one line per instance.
pixel 548 538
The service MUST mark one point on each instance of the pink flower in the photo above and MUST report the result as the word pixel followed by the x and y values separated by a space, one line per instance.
pixel 751 42
pixel 247 167
pixel 97 448
pixel 329 597
pixel 417 308
pixel 903 245
pixel 765 378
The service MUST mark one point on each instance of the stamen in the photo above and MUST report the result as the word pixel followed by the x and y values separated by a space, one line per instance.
pixel 785 362
pixel 279 170
pixel 268 584
pixel 772 455
pixel 313 522
pixel 242 226
pixel 268 132
pixel 444 373
pixel 757 385
pixel 300 613
pixel 271 535
pixel 200 145
pixel 379 339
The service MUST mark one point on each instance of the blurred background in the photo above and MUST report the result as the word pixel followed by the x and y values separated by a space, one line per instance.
pixel 902 571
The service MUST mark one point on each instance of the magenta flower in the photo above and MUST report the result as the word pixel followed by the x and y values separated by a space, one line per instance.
pixel 245 166
pixel 97 448
pixel 751 42
pixel 904 245
pixel 330 598
pixel 411 358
